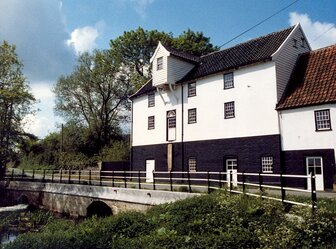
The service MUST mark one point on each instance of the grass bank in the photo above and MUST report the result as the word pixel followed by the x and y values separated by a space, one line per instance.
pixel 210 221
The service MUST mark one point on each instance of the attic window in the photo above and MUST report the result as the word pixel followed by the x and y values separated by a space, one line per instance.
pixel 294 43
pixel 159 63
pixel 302 42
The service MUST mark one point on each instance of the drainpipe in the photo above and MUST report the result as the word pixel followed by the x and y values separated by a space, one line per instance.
pixel 182 128
pixel 131 138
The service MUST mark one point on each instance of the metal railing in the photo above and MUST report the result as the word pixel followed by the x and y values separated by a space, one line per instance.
pixel 252 184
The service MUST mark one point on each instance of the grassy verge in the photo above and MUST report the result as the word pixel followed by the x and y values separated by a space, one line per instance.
pixel 210 221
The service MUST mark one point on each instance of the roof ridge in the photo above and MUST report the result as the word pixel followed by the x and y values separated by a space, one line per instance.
pixel 320 49
pixel 251 40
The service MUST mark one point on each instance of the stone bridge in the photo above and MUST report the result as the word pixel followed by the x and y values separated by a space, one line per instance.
pixel 86 200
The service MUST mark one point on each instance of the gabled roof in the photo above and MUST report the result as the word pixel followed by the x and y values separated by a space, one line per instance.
pixel 313 80
pixel 182 55
pixel 250 52
pixel 146 88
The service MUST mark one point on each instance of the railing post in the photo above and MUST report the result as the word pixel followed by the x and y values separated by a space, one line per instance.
pixel 153 180
pixel 125 184
pixel 208 174
pixel 139 180
pixel 22 175
pixel 260 183
pixel 43 179
pixel 112 178
pixel 230 182
pixel 33 176
pixel 171 180
pixel 189 183
pixel 61 176
pixel 69 176
pixel 52 175
pixel 90 177
pixel 100 178
pixel 243 179
pixel 79 177
pixel 12 174
pixel 220 179
pixel 313 191
pixel 283 191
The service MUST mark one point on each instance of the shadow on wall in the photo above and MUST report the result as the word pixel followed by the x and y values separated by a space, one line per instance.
pixel 98 208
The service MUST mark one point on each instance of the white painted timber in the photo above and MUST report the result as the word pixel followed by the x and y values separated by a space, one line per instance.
pixel 298 131
pixel 177 69
pixel 159 76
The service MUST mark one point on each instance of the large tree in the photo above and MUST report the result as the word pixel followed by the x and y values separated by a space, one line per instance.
pixel 134 49
pixel 16 101
pixel 95 94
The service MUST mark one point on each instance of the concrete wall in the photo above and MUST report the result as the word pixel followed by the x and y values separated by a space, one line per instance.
pixel 74 199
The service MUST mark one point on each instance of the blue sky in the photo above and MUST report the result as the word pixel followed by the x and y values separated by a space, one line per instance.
pixel 50 34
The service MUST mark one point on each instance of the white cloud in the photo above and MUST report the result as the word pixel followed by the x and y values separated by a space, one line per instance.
pixel 38 30
pixel 319 34
pixel 140 6
pixel 83 39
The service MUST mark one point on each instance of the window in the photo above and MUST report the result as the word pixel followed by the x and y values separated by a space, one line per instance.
pixel 294 43
pixel 314 164
pixel 267 164
pixel 192 116
pixel 171 118
pixel 302 42
pixel 192 164
pixel 151 123
pixel 159 63
pixel 322 120
pixel 229 110
pixel 151 99
pixel 228 81
pixel 192 89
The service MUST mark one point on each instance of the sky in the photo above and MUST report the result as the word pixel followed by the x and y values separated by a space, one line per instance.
pixel 49 34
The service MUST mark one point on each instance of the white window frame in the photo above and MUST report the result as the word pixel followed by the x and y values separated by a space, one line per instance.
pixel 322 120
pixel 159 63
pixel 192 89
pixel 228 80
pixel 192 164
pixel 229 110
pixel 192 116
pixel 267 164
pixel 151 123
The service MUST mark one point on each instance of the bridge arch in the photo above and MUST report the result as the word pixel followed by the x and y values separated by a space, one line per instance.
pixel 98 208
pixel 23 199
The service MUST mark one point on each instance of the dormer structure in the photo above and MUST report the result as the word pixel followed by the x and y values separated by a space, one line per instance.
pixel 170 65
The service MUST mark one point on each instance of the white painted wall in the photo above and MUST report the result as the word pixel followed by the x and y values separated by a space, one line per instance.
pixel 159 76
pixel 298 129
pixel 141 111
pixel 254 94
pixel 286 58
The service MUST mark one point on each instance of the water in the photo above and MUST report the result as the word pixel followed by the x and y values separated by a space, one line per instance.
pixel 7 237
pixel 19 207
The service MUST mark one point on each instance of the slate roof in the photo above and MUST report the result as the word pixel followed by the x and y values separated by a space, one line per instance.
pixel 313 80
pixel 183 55
pixel 250 52
pixel 146 88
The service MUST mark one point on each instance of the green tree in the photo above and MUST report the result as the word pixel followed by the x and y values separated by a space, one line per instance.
pixel 134 49
pixel 16 101
pixel 95 95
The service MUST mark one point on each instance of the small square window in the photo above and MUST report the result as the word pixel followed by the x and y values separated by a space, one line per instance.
pixel 267 164
pixel 192 89
pixel 229 110
pixel 192 116
pixel 322 120
pixel 192 164
pixel 151 123
pixel 151 99
pixel 228 81
pixel 159 64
